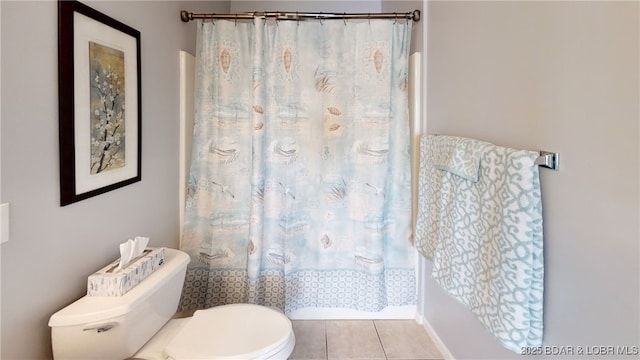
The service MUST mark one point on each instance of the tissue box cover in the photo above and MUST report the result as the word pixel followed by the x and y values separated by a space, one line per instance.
pixel 108 281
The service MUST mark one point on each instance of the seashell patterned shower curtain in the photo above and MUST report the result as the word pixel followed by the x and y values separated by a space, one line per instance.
pixel 299 193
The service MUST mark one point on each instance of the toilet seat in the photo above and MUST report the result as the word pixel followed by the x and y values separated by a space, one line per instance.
pixel 237 331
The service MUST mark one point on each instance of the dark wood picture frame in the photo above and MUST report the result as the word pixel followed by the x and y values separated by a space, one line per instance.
pixel 100 117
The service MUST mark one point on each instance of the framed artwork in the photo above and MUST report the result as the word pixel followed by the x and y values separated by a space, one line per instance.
pixel 100 119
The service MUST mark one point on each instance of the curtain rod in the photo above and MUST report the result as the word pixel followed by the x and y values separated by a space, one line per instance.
pixel 188 16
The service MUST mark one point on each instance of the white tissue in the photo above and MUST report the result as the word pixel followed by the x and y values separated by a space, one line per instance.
pixel 140 243
pixel 131 249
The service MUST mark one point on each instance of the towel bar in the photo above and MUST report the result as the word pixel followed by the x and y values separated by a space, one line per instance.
pixel 549 160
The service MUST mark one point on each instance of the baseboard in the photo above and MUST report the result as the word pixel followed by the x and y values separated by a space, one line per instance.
pixel 391 312
pixel 444 351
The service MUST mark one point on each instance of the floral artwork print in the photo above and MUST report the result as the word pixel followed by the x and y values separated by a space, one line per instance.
pixel 107 101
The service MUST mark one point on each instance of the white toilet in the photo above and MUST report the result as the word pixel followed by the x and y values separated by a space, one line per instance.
pixel 139 325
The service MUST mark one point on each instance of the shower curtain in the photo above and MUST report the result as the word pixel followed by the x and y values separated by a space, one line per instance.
pixel 299 191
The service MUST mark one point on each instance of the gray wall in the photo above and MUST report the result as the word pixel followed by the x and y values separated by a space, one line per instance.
pixel 52 249
pixel 239 6
pixel 559 76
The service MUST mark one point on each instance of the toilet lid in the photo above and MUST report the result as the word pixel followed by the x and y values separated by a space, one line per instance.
pixel 238 331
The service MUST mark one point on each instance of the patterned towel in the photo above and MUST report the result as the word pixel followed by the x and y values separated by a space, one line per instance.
pixel 485 237
pixel 458 155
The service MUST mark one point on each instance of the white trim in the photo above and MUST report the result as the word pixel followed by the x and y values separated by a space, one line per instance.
pixel 415 112
pixel 422 265
pixel 187 117
pixel 444 351
pixel 415 98
pixel 392 312
pixel 425 52
pixel 422 279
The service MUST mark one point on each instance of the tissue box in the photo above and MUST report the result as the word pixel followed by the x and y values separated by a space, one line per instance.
pixel 108 281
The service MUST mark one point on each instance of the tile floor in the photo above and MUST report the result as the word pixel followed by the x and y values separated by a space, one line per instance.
pixel 362 339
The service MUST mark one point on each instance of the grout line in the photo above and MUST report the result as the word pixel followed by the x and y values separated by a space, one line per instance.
pixel 326 341
pixel 379 339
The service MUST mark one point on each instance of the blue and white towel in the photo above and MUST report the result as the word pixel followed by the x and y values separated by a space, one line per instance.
pixel 480 222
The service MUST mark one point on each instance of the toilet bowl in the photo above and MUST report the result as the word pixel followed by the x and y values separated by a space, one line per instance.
pixel 250 332
pixel 139 324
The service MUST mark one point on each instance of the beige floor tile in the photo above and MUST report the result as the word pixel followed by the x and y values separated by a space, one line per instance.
pixel 406 339
pixel 353 339
pixel 311 343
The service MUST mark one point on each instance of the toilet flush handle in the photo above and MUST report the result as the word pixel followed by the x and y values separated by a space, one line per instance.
pixel 100 328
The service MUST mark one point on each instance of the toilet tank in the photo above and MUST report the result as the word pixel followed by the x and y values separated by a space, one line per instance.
pixel 101 327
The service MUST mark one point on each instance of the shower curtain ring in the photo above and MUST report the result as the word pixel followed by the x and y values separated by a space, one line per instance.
pixel 395 18
pixel 344 18
pixel 236 20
